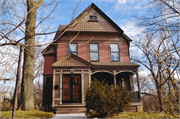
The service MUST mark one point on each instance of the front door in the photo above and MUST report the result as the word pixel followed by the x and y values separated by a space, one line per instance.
pixel 71 88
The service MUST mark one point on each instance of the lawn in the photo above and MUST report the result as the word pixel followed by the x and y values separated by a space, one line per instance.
pixel 143 115
pixel 27 114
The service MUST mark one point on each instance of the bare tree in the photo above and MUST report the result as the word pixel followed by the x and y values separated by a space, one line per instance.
pixel 161 51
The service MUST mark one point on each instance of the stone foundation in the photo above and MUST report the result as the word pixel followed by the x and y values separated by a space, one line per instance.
pixel 136 107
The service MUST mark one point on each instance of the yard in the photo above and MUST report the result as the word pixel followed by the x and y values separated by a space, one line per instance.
pixel 143 115
pixel 41 114
pixel 27 114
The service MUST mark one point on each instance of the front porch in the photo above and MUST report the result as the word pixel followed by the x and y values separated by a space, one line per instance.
pixel 113 79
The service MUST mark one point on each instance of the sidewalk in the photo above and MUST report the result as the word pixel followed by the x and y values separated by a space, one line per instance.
pixel 70 116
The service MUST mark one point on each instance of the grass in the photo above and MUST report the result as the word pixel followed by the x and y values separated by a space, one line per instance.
pixel 27 114
pixel 143 115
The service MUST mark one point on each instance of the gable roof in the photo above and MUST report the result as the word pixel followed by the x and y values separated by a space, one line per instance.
pixel 89 9
pixel 71 60
pixel 63 28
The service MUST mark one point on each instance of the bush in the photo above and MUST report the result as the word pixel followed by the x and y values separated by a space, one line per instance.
pixel 6 105
pixel 103 101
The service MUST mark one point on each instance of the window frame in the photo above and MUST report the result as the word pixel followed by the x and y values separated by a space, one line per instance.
pixel 115 52
pixel 93 52
pixel 68 53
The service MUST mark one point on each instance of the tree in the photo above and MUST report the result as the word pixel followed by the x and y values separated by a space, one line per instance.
pixel 12 24
pixel 160 50
pixel 27 97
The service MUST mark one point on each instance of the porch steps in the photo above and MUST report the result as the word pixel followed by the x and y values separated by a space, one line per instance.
pixel 70 108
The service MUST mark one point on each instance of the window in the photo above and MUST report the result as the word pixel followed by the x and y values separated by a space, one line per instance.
pixel 93 18
pixel 72 48
pixel 94 52
pixel 114 52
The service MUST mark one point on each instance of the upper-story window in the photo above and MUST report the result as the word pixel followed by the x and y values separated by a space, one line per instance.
pixel 114 52
pixel 72 48
pixel 94 52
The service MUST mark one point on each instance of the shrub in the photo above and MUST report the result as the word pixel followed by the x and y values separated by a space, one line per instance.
pixel 103 101
pixel 6 106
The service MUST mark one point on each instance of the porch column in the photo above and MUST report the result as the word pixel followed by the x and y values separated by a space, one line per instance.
pixel 123 82
pixel 53 88
pixel 131 84
pixel 82 86
pixel 60 85
pixel 138 85
pixel 114 74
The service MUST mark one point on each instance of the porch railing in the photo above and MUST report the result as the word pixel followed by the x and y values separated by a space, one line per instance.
pixel 134 95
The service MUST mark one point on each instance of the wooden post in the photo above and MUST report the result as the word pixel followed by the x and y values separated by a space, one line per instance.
pixel 123 82
pixel 130 80
pixel 138 85
pixel 17 83
pixel 114 74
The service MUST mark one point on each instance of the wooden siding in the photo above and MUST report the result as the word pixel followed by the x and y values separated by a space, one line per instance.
pixel 85 25
pixel 93 26
pixel 86 82
pixel 57 82
pixel 48 60
pixel 71 62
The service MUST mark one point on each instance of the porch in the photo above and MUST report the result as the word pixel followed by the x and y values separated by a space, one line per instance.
pixel 121 78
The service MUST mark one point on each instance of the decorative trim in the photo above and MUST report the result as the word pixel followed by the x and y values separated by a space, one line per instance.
pixel 101 71
pixel 125 71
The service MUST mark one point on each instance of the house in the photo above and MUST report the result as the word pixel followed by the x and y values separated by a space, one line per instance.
pixel 92 45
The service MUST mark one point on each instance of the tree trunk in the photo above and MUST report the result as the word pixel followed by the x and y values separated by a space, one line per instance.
pixel 27 97
pixel 158 88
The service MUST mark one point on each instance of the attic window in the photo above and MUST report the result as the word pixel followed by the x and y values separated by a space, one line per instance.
pixel 93 18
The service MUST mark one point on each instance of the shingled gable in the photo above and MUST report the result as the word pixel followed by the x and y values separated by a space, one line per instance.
pixel 71 60
pixel 77 24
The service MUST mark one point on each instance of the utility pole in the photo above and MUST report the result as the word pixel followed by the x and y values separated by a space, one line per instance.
pixel 17 83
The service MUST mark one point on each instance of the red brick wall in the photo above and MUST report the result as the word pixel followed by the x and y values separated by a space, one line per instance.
pixel 48 60
pixel 124 52
pixel 104 52
pixel 83 50
pixel 61 51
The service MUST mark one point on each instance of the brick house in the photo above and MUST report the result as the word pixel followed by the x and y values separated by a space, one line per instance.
pixel 92 45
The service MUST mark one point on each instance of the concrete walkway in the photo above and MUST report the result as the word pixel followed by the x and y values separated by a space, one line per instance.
pixel 70 116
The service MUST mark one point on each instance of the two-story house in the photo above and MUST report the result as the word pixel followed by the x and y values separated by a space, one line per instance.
pixel 92 45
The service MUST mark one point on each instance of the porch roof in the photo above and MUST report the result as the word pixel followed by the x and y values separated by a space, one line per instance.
pixel 114 64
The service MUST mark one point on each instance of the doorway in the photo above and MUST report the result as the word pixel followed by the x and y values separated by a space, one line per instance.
pixel 71 88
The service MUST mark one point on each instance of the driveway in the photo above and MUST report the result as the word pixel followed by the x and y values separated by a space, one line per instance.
pixel 70 116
